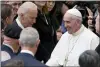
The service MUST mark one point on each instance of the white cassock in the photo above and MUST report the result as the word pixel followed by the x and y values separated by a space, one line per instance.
pixel 70 46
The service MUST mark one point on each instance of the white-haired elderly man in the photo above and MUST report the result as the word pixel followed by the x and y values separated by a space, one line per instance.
pixel 27 14
pixel 29 41
pixel 76 40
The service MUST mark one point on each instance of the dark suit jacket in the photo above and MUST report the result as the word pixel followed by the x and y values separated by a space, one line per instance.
pixel 16 28
pixel 28 60
pixel 8 50
pixel 98 47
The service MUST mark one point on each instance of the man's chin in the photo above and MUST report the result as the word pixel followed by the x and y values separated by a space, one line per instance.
pixel 69 32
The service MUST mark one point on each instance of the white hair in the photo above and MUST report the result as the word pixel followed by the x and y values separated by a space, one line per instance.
pixel 25 7
pixel 29 37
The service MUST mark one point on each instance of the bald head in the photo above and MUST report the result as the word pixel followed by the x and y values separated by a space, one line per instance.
pixel 25 7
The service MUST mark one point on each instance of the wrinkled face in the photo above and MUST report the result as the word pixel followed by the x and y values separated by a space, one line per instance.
pixel 70 23
pixel 50 5
pixel 29 18
pixel 97 25
pixel 40 3
pixel 15 5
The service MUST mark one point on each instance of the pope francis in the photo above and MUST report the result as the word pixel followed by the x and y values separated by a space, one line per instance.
pixel 76 40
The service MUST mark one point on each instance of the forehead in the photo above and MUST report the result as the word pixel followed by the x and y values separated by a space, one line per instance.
pixel 32 13
pixel 67 17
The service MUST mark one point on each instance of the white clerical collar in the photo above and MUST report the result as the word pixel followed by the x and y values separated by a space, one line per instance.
pixel 27 51
pixel 9 46
pixel 19 23
pixel 79 31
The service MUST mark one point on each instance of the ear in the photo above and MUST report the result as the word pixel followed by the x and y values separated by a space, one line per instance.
pixel 37 43
pixel 7 20
pixel 19 43
pixel 21 16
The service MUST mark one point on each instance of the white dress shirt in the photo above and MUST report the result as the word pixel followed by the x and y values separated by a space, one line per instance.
pixel 19 23
pixel 70 46
pixel 27 51
pixel 5 56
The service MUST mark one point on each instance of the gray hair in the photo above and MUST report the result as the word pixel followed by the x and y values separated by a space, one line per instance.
pixel 89 58
pixel 29 37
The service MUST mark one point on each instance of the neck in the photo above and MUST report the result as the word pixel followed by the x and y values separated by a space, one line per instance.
pixel 9 43
pixel 79 30
pixel 28 48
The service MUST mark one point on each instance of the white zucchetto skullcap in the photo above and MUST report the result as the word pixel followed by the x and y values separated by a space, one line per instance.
pixel 75 12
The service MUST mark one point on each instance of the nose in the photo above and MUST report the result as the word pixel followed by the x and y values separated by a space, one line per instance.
pixel 65 24
pixel 17 6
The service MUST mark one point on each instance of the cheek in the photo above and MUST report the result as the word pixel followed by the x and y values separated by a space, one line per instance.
pixel 97 27
pixel 71 25
pixel 25 20
pixel 29 21
pixel 67 25
pixel 89 22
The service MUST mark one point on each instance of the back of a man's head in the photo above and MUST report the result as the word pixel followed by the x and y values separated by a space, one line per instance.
pixel 14 63
pixel 25 7
pixel 28 37
pixel 89 58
